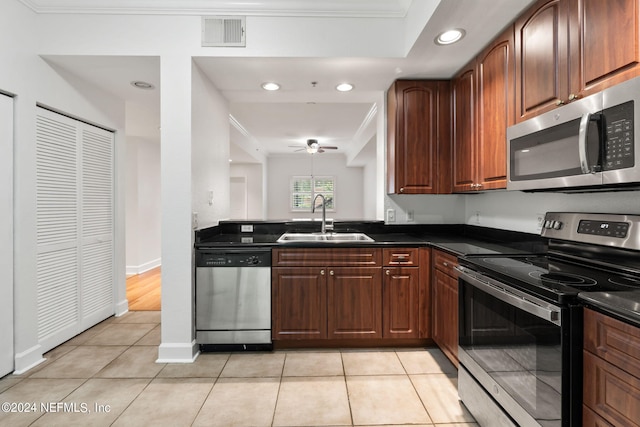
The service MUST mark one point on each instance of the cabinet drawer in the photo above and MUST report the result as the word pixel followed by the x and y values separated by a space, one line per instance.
pixel 324 257
pixel 610 392
pixel 590 419
pixel 445 262
pixel 612 340
pixel 406 257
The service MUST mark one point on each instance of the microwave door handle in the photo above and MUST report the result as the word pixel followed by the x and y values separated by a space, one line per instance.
pixel 582 143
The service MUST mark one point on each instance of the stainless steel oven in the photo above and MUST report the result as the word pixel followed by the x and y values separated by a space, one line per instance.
pixel 587 145
pixel 520 349
pixel 520 318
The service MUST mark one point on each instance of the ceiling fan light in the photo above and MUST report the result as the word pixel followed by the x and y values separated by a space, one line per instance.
pixel 312 149
pixel 271 86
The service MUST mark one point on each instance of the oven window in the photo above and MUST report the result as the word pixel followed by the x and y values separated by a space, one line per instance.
pixel 518 350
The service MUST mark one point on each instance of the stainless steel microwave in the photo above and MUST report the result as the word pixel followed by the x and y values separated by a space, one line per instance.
pixel 587 145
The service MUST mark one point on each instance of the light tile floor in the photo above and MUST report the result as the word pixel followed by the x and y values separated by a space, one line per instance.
pixel 108 376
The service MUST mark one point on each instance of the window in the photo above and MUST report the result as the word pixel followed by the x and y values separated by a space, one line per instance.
pixel 305 188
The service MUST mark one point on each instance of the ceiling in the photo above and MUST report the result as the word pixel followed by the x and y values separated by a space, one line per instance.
pixel 307 106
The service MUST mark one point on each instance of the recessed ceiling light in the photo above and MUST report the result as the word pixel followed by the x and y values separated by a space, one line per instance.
pixel 142 85
pixel 344 87
pixel 450 36
pixel 270 86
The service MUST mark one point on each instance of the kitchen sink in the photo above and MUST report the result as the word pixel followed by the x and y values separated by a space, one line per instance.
pixel 326 237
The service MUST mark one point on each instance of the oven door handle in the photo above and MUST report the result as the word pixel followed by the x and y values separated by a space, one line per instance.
pixel 511 298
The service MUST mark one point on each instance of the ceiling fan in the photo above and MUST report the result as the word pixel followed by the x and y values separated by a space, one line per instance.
pixel 314 147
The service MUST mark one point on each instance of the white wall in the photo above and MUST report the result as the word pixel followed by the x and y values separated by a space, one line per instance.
pixel 508 210
pixel 349 188
pixel 518 211
pixel 210 151
pixel 34 81
pixel 253 173
pixel 143 202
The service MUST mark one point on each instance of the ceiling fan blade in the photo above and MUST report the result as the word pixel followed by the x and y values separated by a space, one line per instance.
pixel 320 150
pixel 329 147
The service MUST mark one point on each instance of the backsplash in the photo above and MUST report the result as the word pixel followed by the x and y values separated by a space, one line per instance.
pixel 508 210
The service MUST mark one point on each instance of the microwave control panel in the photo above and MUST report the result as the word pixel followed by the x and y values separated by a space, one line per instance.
pixel 619 149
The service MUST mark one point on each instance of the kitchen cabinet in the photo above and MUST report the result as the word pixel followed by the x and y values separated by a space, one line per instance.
pixel 327 293
pixel 445 304
pixel 568 49
pixel 401 293
pixel 418 137
pixel 483 98
pixel 299 303
pixel 611 388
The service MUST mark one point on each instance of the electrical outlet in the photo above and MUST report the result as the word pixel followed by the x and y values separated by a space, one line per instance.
pixel 391 215
pixel 210 197
pixel 476 217
pixel 539 221
pixel 194 220
pixel 410 216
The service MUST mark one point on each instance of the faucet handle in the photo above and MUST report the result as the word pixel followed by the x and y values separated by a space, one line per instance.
pixel 329 225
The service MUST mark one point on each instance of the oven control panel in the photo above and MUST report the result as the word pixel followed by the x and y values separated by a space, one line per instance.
pixel 617 230
pixel 604 228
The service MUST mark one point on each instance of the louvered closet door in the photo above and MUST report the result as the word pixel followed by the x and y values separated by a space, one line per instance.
pixel 74 227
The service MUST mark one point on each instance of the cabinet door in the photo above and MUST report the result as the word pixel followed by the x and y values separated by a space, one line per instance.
pixel 542 69
pixel 299 303
pixel 400 293
pixel 445 314
pixel 417 109
pixel 604 43
pixel 354 302
pixel 496 100
pixel 610 392
pixel 464 168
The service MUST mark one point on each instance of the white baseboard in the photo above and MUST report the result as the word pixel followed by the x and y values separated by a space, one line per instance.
pixel 178 352
pixel 132 270
pixel 28 359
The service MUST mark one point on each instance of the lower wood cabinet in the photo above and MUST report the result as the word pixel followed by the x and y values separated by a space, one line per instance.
pixel 445 304
pixel 611 373
pixel 298 303
pixel 349 293
pixel 354 301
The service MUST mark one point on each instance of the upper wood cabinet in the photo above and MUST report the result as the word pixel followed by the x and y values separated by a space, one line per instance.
pixel 418 137
pixel 568 49
pixel 483 98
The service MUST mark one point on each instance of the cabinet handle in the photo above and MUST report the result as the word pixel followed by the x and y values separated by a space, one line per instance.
pixel 446 264
pixel 322 272
pixel 402 189
pixel 559 102
pixel 573 97
pixel 388 273
pixel 331 272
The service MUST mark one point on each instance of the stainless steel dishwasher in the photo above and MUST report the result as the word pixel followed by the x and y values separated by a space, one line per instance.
pixel 233 299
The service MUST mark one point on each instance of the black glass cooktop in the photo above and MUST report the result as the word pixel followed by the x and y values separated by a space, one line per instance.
pixel 550 278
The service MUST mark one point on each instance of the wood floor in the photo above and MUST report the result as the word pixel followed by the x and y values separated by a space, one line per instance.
pixel 143 291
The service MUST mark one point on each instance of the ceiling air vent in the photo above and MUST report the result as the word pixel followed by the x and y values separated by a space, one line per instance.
pixel 226 31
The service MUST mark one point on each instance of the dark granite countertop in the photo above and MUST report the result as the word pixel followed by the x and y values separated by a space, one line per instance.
pixel 623 304
pixel 457 239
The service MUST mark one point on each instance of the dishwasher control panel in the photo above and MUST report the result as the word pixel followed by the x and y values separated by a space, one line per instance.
pixel 231 258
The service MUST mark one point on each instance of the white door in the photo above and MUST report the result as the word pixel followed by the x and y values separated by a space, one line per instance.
pixel 6 234
pixel 239 205
pixel 74 230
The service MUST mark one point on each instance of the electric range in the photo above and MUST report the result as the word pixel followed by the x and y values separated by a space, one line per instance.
pixel 520 318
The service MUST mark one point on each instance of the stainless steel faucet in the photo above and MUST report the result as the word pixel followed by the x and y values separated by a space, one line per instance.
pixel 324 212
